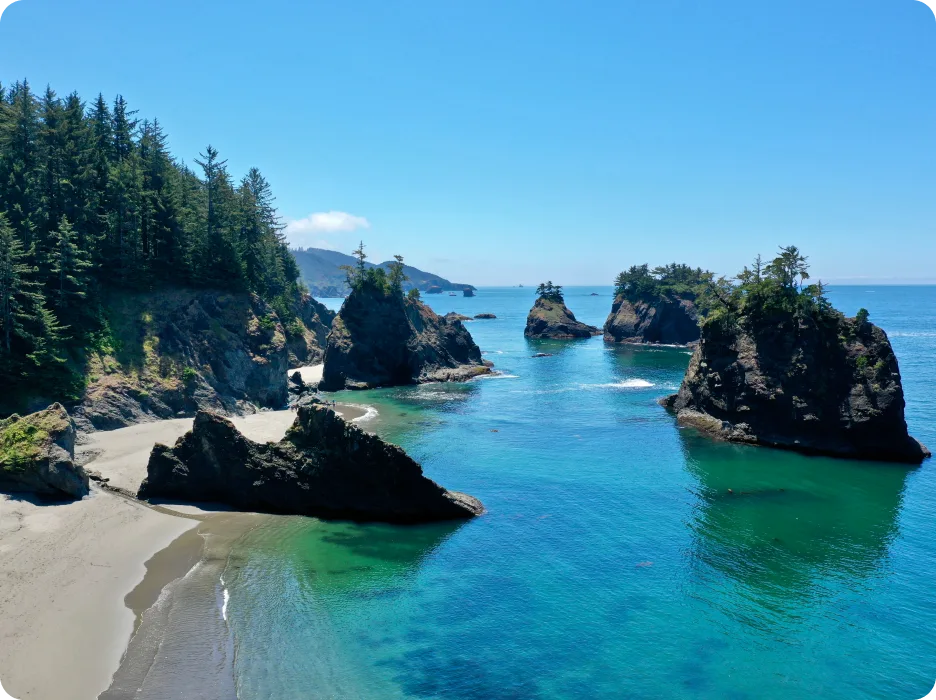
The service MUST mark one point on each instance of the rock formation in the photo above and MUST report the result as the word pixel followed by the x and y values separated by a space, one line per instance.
pixel 37 455
pixel 324 467
pixel 485 316
pixel 669 319
pixel 468 292
pixel 381 338
pixel 306 340
pixel 453 316
pixel 551 318
pixel 825 384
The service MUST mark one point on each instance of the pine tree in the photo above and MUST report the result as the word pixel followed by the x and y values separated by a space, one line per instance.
pixel 68 264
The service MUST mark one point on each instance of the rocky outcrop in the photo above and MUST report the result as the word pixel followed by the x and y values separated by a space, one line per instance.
pixel 453 316
pixel 830 387
pixel 37 455
pixel 667 320
pixel 551 318
pixel 468 292
pixel 381 338
pixel 484 316
pixel 173 352
pixel 324 467
pixel 306 340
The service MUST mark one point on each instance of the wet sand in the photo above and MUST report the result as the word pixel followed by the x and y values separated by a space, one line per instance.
pixel 77 578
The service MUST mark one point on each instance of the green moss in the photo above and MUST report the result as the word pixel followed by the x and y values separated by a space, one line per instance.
pixel 861 362
pixel 22 439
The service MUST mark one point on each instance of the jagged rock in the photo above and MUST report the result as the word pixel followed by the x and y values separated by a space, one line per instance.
pixel 485 316
pixel 831 388
pixel 306 344
pixel 550 318
pixel 453 316
pixel 669 320
pixel 324 467
pixel 468 292
pixel 37 455
pixel 181 350
pixel 381 338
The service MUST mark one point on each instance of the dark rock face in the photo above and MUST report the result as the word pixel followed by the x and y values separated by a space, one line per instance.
pixel 385 339
pixel 832 389
pixel 468 292
pixel 453 316
pixel 324 467
pixel 485 316
pixel 37 455
pixel 182 350
pixel 552 319
pixel 306 345
pixel 670 320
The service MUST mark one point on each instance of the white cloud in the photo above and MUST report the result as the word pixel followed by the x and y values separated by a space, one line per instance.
pixel 324 222
pixel 4 4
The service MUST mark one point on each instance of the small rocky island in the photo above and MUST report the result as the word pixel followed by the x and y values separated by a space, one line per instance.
pixel 37 455
pixel 551 318
pixel 324 467
pixel 777 365
pixel 656 306
pixel 382 337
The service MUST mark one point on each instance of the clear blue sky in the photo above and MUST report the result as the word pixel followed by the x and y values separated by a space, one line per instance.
pixel 497 141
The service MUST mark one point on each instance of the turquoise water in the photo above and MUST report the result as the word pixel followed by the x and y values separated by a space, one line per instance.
pixel 612 562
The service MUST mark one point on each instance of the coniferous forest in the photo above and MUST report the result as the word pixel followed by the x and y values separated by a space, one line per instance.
pixel 91 202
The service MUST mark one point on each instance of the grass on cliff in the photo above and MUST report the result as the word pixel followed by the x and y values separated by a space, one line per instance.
pixel 22 439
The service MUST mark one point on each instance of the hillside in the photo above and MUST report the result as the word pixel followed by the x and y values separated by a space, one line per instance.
pixel 320 270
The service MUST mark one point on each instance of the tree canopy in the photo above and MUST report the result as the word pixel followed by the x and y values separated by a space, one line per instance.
pixel 91 200
pixel 550 291
pixel 639 282
pixel 375 278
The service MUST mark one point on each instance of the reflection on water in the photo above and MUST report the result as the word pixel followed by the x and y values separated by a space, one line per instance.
pixel 782 525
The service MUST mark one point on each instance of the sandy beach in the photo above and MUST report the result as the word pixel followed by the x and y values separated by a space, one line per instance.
pixel 66 569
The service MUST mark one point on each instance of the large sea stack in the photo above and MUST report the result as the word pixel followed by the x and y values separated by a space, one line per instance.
pixel 37 454
pixel 383 338
pixel 777 365
pixel 324 467
pixel 551 318
pixel 656 306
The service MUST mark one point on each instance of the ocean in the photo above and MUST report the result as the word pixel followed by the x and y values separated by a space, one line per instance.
pixel 611 562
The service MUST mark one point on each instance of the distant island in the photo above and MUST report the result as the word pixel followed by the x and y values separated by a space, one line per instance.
pixel 321 272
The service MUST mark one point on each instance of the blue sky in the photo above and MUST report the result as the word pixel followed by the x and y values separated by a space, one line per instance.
pixel 501 142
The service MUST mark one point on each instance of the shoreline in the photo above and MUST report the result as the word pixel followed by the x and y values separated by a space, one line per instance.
pixel 78 577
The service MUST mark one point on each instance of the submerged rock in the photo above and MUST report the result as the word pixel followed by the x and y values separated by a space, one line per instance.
pixel 551 318
pixel 37 454
pixel 381 338
pixel 829 386
pixel 668 319
pixel 324 467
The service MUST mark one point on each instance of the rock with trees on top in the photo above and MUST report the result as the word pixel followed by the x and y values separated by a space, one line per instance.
pixel 383 337
pixel 656 306
pixel 777 365
pixel 551 318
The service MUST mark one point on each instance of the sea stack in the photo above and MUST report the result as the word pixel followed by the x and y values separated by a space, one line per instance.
pixel 776 365
pixel 383 338
pixel 324 467
pixel 657 306
pixel 551 318
pixel 37 455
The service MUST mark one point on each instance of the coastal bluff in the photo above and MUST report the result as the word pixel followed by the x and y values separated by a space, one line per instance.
pixel 822 384
pixel 323 467
pixel 551 318
pixel 382 338
pixel 37 455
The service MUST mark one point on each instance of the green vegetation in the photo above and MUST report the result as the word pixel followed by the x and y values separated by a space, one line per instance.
pixel 550 291
pixel 376 279
pixel 640 283
pixel 22 439
pixel 765 291
pixel 91 201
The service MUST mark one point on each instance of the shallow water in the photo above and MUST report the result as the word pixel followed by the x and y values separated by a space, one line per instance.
pixel 612 561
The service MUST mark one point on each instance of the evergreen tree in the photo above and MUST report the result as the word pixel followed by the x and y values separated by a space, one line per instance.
pixel 68 264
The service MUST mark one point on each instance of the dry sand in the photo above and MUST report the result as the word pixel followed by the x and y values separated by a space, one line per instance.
pixel 65 569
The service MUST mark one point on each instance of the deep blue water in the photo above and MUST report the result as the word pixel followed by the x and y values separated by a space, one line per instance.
pixel 611 563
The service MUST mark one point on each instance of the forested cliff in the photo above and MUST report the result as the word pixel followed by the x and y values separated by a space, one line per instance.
pixel 92 206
